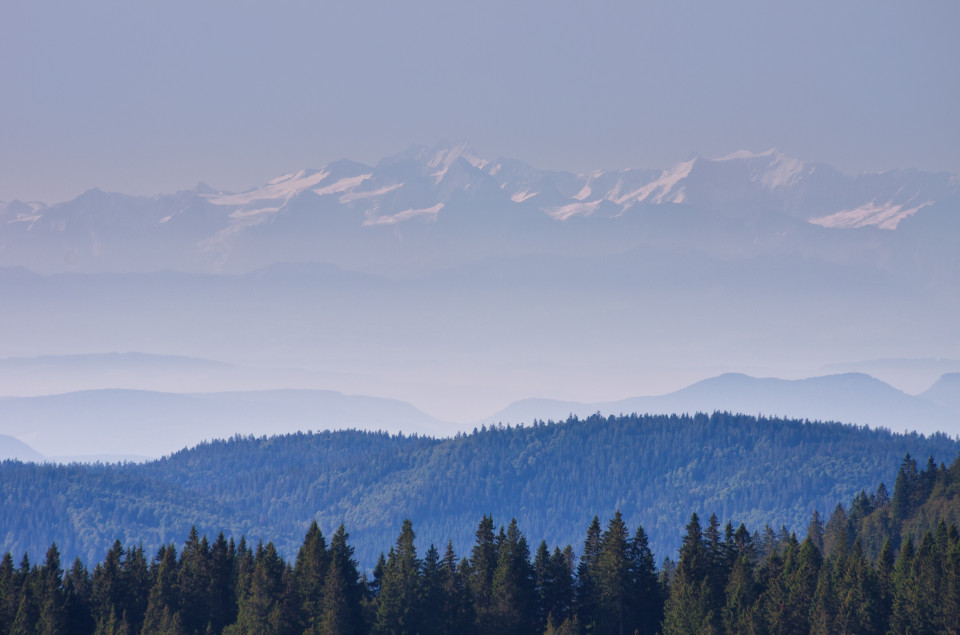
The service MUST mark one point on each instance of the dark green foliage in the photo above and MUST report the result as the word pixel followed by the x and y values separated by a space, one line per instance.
pixel 399 608
pixel 514 595
pixel 588 592
pixel 309 574
pixel 654 469
pixel 483 562
pixel 725 580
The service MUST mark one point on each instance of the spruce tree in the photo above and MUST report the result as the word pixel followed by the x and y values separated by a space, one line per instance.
pixel 309 574
pixel 193 582
pixel 587 591
pixel 456 613
pixel 431 600
pixel 163 603
pixel 615 592
pixel 738 614
pixel 688 608
pixel 647 597
pixel 50 596
pixel 483 564
pixel 398 606
pixel 513 607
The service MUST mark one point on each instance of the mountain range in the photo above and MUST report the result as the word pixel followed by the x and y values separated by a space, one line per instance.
pixel 443 279
pixel 152 424
pixel 442 206
pixel 138 424
pixel 850 398
pixel 553 478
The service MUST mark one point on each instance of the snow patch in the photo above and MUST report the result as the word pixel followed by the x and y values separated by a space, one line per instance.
pixel 476 162
pixel 583 193
pixel 282 187
pixel 519 197
pixel 886 216
pixel 349 197
pixel 573 209
pixel 658 190
pixel 251 213
pixel 342 185
pixel 25 218
pixel 405 215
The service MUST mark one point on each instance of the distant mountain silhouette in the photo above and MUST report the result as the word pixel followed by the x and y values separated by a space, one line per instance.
pixel 11 448
pixel 847 398
pixel 118 423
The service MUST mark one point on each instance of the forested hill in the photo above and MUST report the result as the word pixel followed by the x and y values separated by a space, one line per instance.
pixel 551 477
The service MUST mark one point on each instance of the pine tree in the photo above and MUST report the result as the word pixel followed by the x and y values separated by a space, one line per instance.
pixel 513 607
pixel 791 594
pixel 885 568
pixel 688 607
pixel 823 613
pixel 193 582
pixel 837 534
pixel 28 613
pixel 342 609
pixel 587 591
pixel 738 614
pixel 904 489
pixel 647 597
pixel 398 604
pixel 456 613
pixel 164 598
pixel 857 610
pixel 77 591
pixel 309 574
pixel 483 564
pixel 136 581
pixel 50 596
pixel 222 593
pixel 265 609
pixel 615 590
pixel 9 592
pixel 431 600
pixel 338 616
pixel 815 531
pixel 107 583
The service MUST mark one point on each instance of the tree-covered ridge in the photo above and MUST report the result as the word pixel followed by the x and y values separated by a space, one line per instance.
pixel 725 580
pixel 552 477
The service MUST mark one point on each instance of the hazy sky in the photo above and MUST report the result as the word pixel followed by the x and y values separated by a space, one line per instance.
pixel 151 96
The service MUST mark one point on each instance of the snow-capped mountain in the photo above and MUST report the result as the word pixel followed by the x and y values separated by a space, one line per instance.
pixel 348 213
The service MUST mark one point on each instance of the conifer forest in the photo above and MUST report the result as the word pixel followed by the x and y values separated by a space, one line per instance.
pixel 883 563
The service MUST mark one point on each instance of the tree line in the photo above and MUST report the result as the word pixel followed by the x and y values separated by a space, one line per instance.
pixel 725 579
pixel 553 477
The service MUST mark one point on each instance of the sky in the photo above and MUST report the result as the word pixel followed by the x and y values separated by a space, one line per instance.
pixel 151 97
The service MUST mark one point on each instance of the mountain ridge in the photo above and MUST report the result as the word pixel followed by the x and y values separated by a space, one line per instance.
pixel 553 478
pixel 849 397
pixel 442 191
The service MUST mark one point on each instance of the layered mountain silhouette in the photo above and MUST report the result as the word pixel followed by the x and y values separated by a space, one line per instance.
pixel 138 423
pixel 133 424
pixel 848 398
pixel 460 283
pixel 445 205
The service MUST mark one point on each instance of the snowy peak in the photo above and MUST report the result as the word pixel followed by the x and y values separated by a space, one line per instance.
pixel 421 181
pixel 450 190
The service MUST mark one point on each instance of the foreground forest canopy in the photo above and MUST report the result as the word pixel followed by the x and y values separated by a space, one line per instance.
pixel 725 580
pixel 552 477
